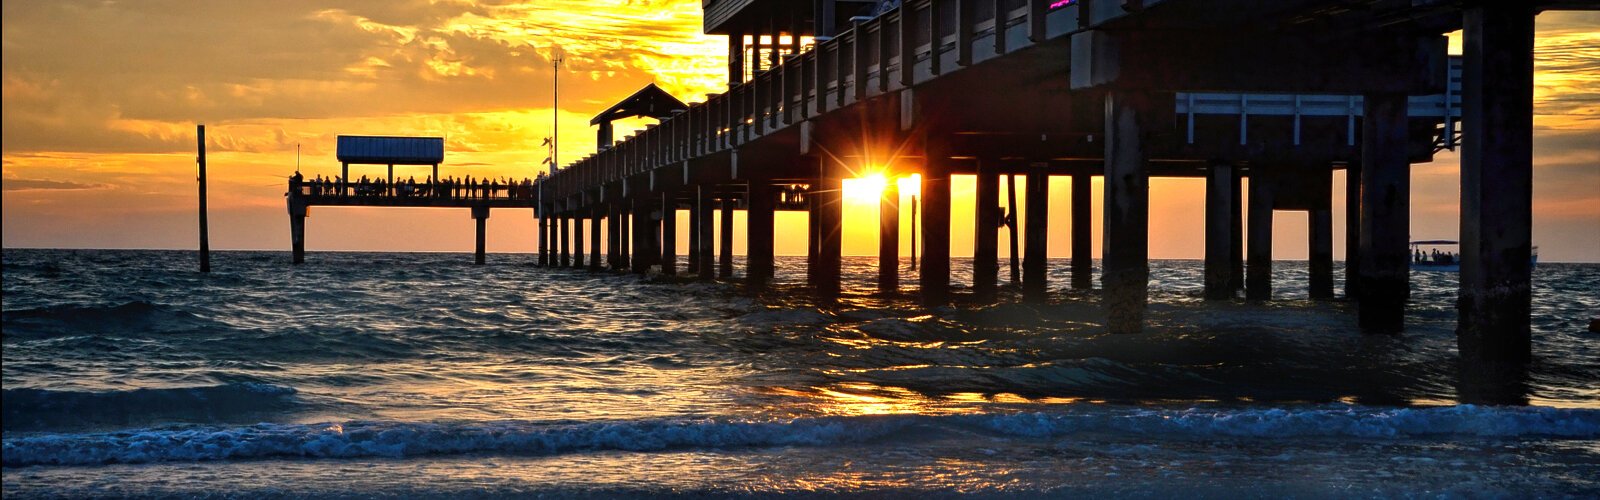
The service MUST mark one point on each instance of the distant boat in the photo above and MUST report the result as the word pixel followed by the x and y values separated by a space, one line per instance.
pixel 1447 261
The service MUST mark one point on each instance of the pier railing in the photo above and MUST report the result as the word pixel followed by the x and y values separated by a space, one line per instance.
pixel 915 43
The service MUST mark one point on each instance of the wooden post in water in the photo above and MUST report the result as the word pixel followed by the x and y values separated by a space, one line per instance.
pixel 1011 225
pixel 480 214
pixel 889 238
pixel 725 240
pixel 205 233
pixel 1035 264
pixel 986 226
pixel 1082 246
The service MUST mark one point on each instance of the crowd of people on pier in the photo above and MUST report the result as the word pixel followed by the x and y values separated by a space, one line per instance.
pixel 464 188
pixel 1434 257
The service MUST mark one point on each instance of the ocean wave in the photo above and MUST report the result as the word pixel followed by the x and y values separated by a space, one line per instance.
pixel 403 439
pixel 25 408
pixel 77 319
pixel 1336 421
pixel 409 439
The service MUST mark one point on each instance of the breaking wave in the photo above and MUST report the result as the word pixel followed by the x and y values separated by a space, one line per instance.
pixel 402 439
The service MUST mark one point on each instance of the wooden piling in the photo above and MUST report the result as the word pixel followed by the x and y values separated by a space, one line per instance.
pixel 985 238
pixel 760 232
pixel 1125 264
pixel 830 242
pixel 543 214
pixel 1352 229
pixel 1035 263
pixel 889 238
pixel 480 216
pixel 934 277
pixel 725 240
pixel 669 234
pixel 1011 226
pixel 1385 214
pixel 1320 225
pixel 1219 237
pixel 1082 232
pixel 595 216
pixel 705 236
pixel 577 240
pixel 205 225
pixel 1495 301
pixel 564 237
pixel 1258 277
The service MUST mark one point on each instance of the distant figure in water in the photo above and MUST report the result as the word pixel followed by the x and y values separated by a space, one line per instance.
pixel 1594 325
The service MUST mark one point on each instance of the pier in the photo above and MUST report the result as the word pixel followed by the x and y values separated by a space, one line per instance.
pixel 477 195
pixel 1269 98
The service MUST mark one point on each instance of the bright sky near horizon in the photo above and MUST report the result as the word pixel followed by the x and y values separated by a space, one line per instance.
pixel 101 98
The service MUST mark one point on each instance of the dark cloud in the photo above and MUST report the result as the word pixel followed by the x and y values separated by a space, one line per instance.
pixel 44 185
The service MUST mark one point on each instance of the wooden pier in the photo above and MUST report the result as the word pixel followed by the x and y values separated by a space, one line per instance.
pixel 477 195
pixel 1277 94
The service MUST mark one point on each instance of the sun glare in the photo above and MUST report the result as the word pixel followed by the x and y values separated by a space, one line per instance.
pixel 865 189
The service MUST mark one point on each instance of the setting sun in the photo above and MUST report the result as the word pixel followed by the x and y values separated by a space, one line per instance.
pixel 865 189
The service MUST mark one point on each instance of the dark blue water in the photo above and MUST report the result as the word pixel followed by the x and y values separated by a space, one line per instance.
pixel 367 374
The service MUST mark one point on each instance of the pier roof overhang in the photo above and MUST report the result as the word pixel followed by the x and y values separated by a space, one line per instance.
pixel 649 101
pixel 390 150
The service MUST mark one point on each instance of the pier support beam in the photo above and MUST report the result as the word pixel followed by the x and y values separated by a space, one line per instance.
pixel 594 239
pixel 1496 194
pixel 1236 218
pixel 1125 263
pixel 297 233
pixel 544 234
pixel 986 236
pixel 669 234
pixel 1258 281
pixel 643 235
pixel 480 214
pixel 704 233
pixel 760 233
pixel 614 258
pixel 1082 232
pixel 1219 232
pixel 889 238
pixel 934 276
pixel 1385 214
pixel 828 208
pixel 577 240
pixel 693 265
pixel 1352 229
pixel 725 240
pixel 563 236
pixel 1320 223
pixel 1036 235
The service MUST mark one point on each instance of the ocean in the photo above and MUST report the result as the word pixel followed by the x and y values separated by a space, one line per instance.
pixel 127 373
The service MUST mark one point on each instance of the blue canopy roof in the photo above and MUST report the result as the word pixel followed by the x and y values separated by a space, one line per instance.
pixel 382 150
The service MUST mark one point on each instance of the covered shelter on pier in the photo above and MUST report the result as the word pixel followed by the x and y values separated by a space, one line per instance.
pixel 650 101
pixel 391 151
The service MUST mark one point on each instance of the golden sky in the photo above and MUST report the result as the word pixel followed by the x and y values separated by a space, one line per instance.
pixel 101 98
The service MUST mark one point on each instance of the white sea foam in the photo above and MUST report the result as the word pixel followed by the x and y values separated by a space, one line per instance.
pixel 395 439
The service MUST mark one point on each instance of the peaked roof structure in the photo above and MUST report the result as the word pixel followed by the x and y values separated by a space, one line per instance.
pixel 649 101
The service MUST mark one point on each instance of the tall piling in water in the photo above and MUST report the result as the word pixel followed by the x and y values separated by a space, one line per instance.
pixel 760 232
pixel 205 229
pixel 1385 214
pixel 1035 260
pixel 1125 263
pixel 889 238
pixel 1082 234
pixel 986 225
pixel 1495 302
